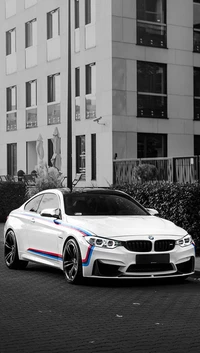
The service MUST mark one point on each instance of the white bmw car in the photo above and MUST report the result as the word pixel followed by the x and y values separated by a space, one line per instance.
pixel 96 233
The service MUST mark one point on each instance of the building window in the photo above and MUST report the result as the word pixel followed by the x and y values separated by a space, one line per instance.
pixel 151 145
pixel 77 93
pixel 12 159
pixel 11 41
pixel 11 107
pixel 53 23
pixel 31 33
pixel 90 90
pixel 87 12
pixel 196 26
pixel 53 99
pixel 196 93
pixel 151 23
pixel 76 13
pixel 50 152
pixel 11 94
pixel 80 155
pixel 31 104
pixel 151 90
pixel 53 82
pixel 31 93
pixel 93 157
pixel 196 145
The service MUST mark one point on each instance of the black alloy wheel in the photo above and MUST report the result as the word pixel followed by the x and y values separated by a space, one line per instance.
pixel 72 263
pixel 11 252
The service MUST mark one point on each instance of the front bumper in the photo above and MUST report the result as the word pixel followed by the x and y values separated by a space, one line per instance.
pixel 121 263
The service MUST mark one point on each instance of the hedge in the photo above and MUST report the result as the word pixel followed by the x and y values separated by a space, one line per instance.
pixel 12 195
pixel 179 203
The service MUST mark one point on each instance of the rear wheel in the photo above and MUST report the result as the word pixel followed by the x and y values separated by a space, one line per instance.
pixel 11 252
pixel 72 263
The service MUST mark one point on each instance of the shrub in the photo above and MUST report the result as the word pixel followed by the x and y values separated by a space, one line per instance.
pixel 179 203
pixel 47 178
pixel 145 172
pixel 12 195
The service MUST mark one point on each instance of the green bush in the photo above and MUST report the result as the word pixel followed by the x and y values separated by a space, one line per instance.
pixel 179 203
pixel 12 195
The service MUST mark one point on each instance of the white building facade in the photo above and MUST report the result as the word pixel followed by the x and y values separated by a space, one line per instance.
pixel 135 83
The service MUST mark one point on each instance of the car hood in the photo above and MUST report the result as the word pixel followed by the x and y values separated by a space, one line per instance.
pixel 123 226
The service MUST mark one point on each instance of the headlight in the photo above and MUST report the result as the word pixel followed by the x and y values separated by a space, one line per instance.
pixel 185 241
pixel 103 242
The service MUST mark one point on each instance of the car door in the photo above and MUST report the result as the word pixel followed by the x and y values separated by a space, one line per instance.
pixel 44 233
pixel 27 217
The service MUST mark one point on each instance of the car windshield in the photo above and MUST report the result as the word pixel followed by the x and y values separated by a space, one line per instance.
pixel 101 205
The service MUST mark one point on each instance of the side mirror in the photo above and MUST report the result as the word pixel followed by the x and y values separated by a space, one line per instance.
pixel 152 211
pixel 51 212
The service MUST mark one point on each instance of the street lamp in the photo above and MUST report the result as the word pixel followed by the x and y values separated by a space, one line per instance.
pixel 69 106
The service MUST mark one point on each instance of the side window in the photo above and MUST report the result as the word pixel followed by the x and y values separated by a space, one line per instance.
pixel 49 201
pixel 32 205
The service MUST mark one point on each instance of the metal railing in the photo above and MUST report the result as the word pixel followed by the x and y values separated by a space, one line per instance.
pixel 177 169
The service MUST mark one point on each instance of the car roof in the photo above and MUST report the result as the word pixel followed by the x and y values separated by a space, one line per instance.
pixel 93 191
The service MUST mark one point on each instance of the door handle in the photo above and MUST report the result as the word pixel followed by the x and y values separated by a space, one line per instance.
pixel 32 220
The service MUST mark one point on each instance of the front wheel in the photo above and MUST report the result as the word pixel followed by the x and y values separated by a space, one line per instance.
pixel 72 263
pixel 11 252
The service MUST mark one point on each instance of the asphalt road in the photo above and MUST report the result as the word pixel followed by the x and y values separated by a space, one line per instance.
pixel 40 312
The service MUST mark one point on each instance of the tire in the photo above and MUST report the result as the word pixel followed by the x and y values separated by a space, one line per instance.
pixel 72 262
pixel 11 252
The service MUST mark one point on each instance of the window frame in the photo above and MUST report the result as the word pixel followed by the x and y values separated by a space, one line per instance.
pixel 10 46
pixel 154 94
pixel 151 26
pixel 31 33
pixel 51 31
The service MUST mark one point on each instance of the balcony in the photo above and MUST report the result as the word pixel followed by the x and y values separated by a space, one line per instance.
pixel 31 117
pixel 196 41
pixel 90 105
pixel 31 56
pixel 11 63
pixel 197 108
pixel 152 106
pixel 53 48
pixel 77 108
pixel 11 121
pixel 53 113
pixel 153 35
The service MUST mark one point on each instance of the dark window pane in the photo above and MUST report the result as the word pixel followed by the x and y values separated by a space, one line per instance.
pixel 87 11
pixel 197 82
pixel 196 109
pixel 50 151
pixel 196 41
pixel 93 156
pixel 151 106
pixel 151 35
pixel 8 43
pixel 77 82
pixel 76 13
pixel 151 145
pixel 196 145
pixel 50 87
pixel 80 155
pixel 88 79
pixel 151 77
pixel 49 26
pixel 12 159
pixel 151 10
